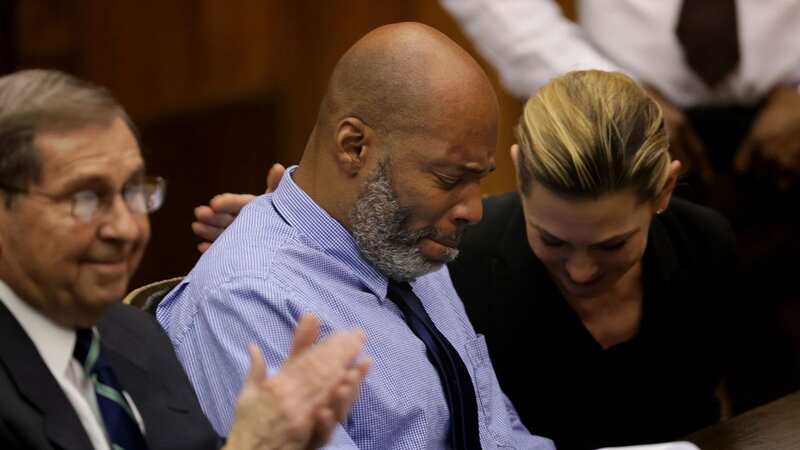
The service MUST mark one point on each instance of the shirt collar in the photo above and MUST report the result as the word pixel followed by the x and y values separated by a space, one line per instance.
pixel 54 342
pixel 325 232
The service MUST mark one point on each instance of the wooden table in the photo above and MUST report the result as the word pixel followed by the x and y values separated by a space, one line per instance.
pixel 774 426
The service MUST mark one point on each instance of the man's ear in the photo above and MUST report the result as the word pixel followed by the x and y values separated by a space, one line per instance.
pixel 673 171
pixel 352 139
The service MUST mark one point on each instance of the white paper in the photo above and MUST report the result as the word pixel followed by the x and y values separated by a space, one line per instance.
pixel 665 446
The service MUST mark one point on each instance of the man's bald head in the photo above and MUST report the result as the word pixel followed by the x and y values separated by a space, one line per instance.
pixel 406 131
pixel 398 76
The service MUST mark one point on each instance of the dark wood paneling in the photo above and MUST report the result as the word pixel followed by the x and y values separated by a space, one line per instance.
pixel 202 154
pixel 189 71
pixel 8 38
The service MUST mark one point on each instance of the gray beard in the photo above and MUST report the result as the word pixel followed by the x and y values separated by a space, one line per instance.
pixel 379 226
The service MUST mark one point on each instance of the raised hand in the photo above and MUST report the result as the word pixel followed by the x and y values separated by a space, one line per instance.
pixel 299 407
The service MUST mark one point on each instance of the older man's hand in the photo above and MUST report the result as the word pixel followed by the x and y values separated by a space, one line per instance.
pixel 772 147
pixel 300 406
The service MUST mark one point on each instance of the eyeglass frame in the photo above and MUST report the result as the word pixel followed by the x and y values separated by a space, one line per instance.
pixel 152 201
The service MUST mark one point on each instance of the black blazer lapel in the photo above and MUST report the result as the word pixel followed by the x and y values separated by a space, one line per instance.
pixel 132 364
pixel 37 385
pixel 146 367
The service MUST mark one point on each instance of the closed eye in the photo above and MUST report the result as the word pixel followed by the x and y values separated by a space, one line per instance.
pixel 448 182
pixel 551 242
pixel 613 246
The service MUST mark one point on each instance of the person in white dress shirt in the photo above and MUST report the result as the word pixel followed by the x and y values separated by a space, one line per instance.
pixel 739 135
pixel 530 41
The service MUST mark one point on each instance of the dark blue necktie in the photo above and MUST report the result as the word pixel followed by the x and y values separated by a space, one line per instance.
pixel 123 431
pixel 457 384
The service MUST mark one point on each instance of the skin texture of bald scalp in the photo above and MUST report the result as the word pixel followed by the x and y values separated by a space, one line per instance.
pixel 408 108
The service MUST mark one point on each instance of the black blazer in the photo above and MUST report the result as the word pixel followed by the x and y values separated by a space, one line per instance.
pixel 657 386
pixel 36 414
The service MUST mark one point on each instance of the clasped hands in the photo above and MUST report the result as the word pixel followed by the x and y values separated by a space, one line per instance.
pixel 770 150
pixel 300 406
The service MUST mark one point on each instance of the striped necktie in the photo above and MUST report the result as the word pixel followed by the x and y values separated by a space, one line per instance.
pixel 121 426
pixel 456 382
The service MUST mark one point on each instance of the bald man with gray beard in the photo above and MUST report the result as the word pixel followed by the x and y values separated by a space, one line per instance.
pixel 359 234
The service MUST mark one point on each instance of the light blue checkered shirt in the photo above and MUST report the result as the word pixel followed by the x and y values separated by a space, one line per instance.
pixel 284 255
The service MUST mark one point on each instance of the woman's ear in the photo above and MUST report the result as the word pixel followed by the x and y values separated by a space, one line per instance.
pixel 352 137
pixel 673 171
pixel 515 156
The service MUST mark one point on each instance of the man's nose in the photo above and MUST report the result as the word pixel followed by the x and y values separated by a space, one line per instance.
pixel 119 223
pixel 469 209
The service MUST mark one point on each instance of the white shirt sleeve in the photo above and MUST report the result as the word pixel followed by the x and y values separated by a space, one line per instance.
pixel 528 41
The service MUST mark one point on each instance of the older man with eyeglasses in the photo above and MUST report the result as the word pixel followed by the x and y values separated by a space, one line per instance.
pixel 79 370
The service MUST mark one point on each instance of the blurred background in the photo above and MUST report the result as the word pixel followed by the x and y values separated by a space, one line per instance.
pixel 219 89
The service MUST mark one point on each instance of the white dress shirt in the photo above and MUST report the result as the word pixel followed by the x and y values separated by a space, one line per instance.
pixel 530 42
pixel 55 345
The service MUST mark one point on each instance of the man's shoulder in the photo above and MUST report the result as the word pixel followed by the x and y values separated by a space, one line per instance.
pixel 259 223
pixel 253 245
pixel 128 322
pixel 134 336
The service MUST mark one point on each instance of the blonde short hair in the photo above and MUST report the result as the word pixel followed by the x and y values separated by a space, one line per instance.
pixel 589 133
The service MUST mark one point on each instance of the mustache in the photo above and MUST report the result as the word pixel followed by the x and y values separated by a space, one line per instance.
pixel 410 237
pixel 413 237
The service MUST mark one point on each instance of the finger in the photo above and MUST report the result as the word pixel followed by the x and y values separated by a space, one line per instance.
pixel 698 153
pixel 785 161
pixel 305 334
pixel 342 347
pixel 363 366
pixel 342 399
pixel 258 367
pixel 785 150
pixel 202 211
pixel 743 162
pixel 761 165
pixel 203 246
pixel 208 216
pixel 677 148
pixel 206 232
pixel 274 177
pixel 319 370
pixel 324 426
pixel 230 203
pixel 346 393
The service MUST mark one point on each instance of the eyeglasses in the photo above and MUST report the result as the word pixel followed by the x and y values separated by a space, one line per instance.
pixel 142 196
